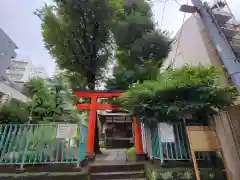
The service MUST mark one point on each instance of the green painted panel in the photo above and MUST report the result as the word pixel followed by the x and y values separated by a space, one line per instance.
pixel 39 144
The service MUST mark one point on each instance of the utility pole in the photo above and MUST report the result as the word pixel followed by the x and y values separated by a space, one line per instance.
pixel 223 38
pixel 219 39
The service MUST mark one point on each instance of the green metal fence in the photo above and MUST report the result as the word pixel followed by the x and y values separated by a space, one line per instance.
pixel 42 144
pixel 177 148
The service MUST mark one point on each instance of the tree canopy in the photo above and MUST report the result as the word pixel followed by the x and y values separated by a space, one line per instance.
pixel 141 46
pixel 124 77
pixel 178 92
pixel 77 35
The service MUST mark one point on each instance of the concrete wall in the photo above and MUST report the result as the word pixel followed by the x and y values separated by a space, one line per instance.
pixel 189 46
pixel 227 138
pixel 7 52
pixel 12 93
pixel 193 46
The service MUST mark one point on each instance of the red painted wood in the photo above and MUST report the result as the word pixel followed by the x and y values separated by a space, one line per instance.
pixel 98 94
pixel 91 126
pixel 138 136
pixel 93 107
pixel 97 106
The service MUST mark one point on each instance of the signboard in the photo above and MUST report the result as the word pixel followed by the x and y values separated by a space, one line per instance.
pixel 66 131
pixel 167 133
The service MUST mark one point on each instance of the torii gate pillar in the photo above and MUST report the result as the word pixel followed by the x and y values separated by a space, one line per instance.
pixel 93 107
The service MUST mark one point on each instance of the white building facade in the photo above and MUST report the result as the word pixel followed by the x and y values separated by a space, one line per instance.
pixel 39 71
pixel 23 69
pixel 192 45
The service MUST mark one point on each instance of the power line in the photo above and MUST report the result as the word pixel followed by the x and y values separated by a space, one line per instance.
pixel 177 2
pixel 164 7
pixel 180 34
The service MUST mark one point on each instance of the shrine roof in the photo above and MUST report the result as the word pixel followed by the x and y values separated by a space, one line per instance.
pixel 113 113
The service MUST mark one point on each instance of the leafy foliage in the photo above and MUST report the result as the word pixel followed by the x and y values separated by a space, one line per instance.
pixel 178 92
pixel 124 77
pixel 141 47
pixel 77 34
pixel 136 36
pixel 75 80
pixel 51 101
pixel 43 102
pixel 13 113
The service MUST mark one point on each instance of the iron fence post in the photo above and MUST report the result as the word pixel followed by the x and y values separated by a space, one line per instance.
pixel 26 147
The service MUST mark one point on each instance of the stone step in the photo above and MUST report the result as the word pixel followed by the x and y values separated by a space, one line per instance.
pixel 117 175
pixel 117 167
pixel 128 179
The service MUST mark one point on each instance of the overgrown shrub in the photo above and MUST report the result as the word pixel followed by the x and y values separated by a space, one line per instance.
pixel 178 92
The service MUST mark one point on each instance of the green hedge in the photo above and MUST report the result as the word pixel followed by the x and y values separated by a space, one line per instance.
pixel 131 154
pixel 183 173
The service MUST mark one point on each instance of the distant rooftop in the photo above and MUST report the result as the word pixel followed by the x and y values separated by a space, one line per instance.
pixel 22 57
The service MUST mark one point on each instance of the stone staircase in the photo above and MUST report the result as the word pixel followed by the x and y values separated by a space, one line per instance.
pixel 117 171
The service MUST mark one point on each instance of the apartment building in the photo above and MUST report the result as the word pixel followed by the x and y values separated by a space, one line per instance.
pixel 7 52
pixel 193 45
pixel 22 69
pixel 8 90
pixel 40 71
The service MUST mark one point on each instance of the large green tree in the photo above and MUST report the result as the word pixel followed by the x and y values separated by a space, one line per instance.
pixel 81 35
pixel 77 35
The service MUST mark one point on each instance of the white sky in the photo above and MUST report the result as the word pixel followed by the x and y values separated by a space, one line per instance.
pixel 18 21
pixel 172 18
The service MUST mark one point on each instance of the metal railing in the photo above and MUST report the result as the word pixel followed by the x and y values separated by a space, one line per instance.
pixel 29 144
pixel 169 143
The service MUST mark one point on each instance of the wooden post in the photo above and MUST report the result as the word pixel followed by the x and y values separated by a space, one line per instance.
pixel 226 167
pixel 204 139
pixel 195 165
pixel 138 136
pixel 91 126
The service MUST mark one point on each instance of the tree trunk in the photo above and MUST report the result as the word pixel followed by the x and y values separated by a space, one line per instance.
pixel 96 140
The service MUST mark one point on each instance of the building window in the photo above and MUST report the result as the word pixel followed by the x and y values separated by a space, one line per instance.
pixel 8 43
pixel 2 54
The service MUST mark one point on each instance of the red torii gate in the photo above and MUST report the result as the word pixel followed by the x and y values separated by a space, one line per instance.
pixel 93 107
